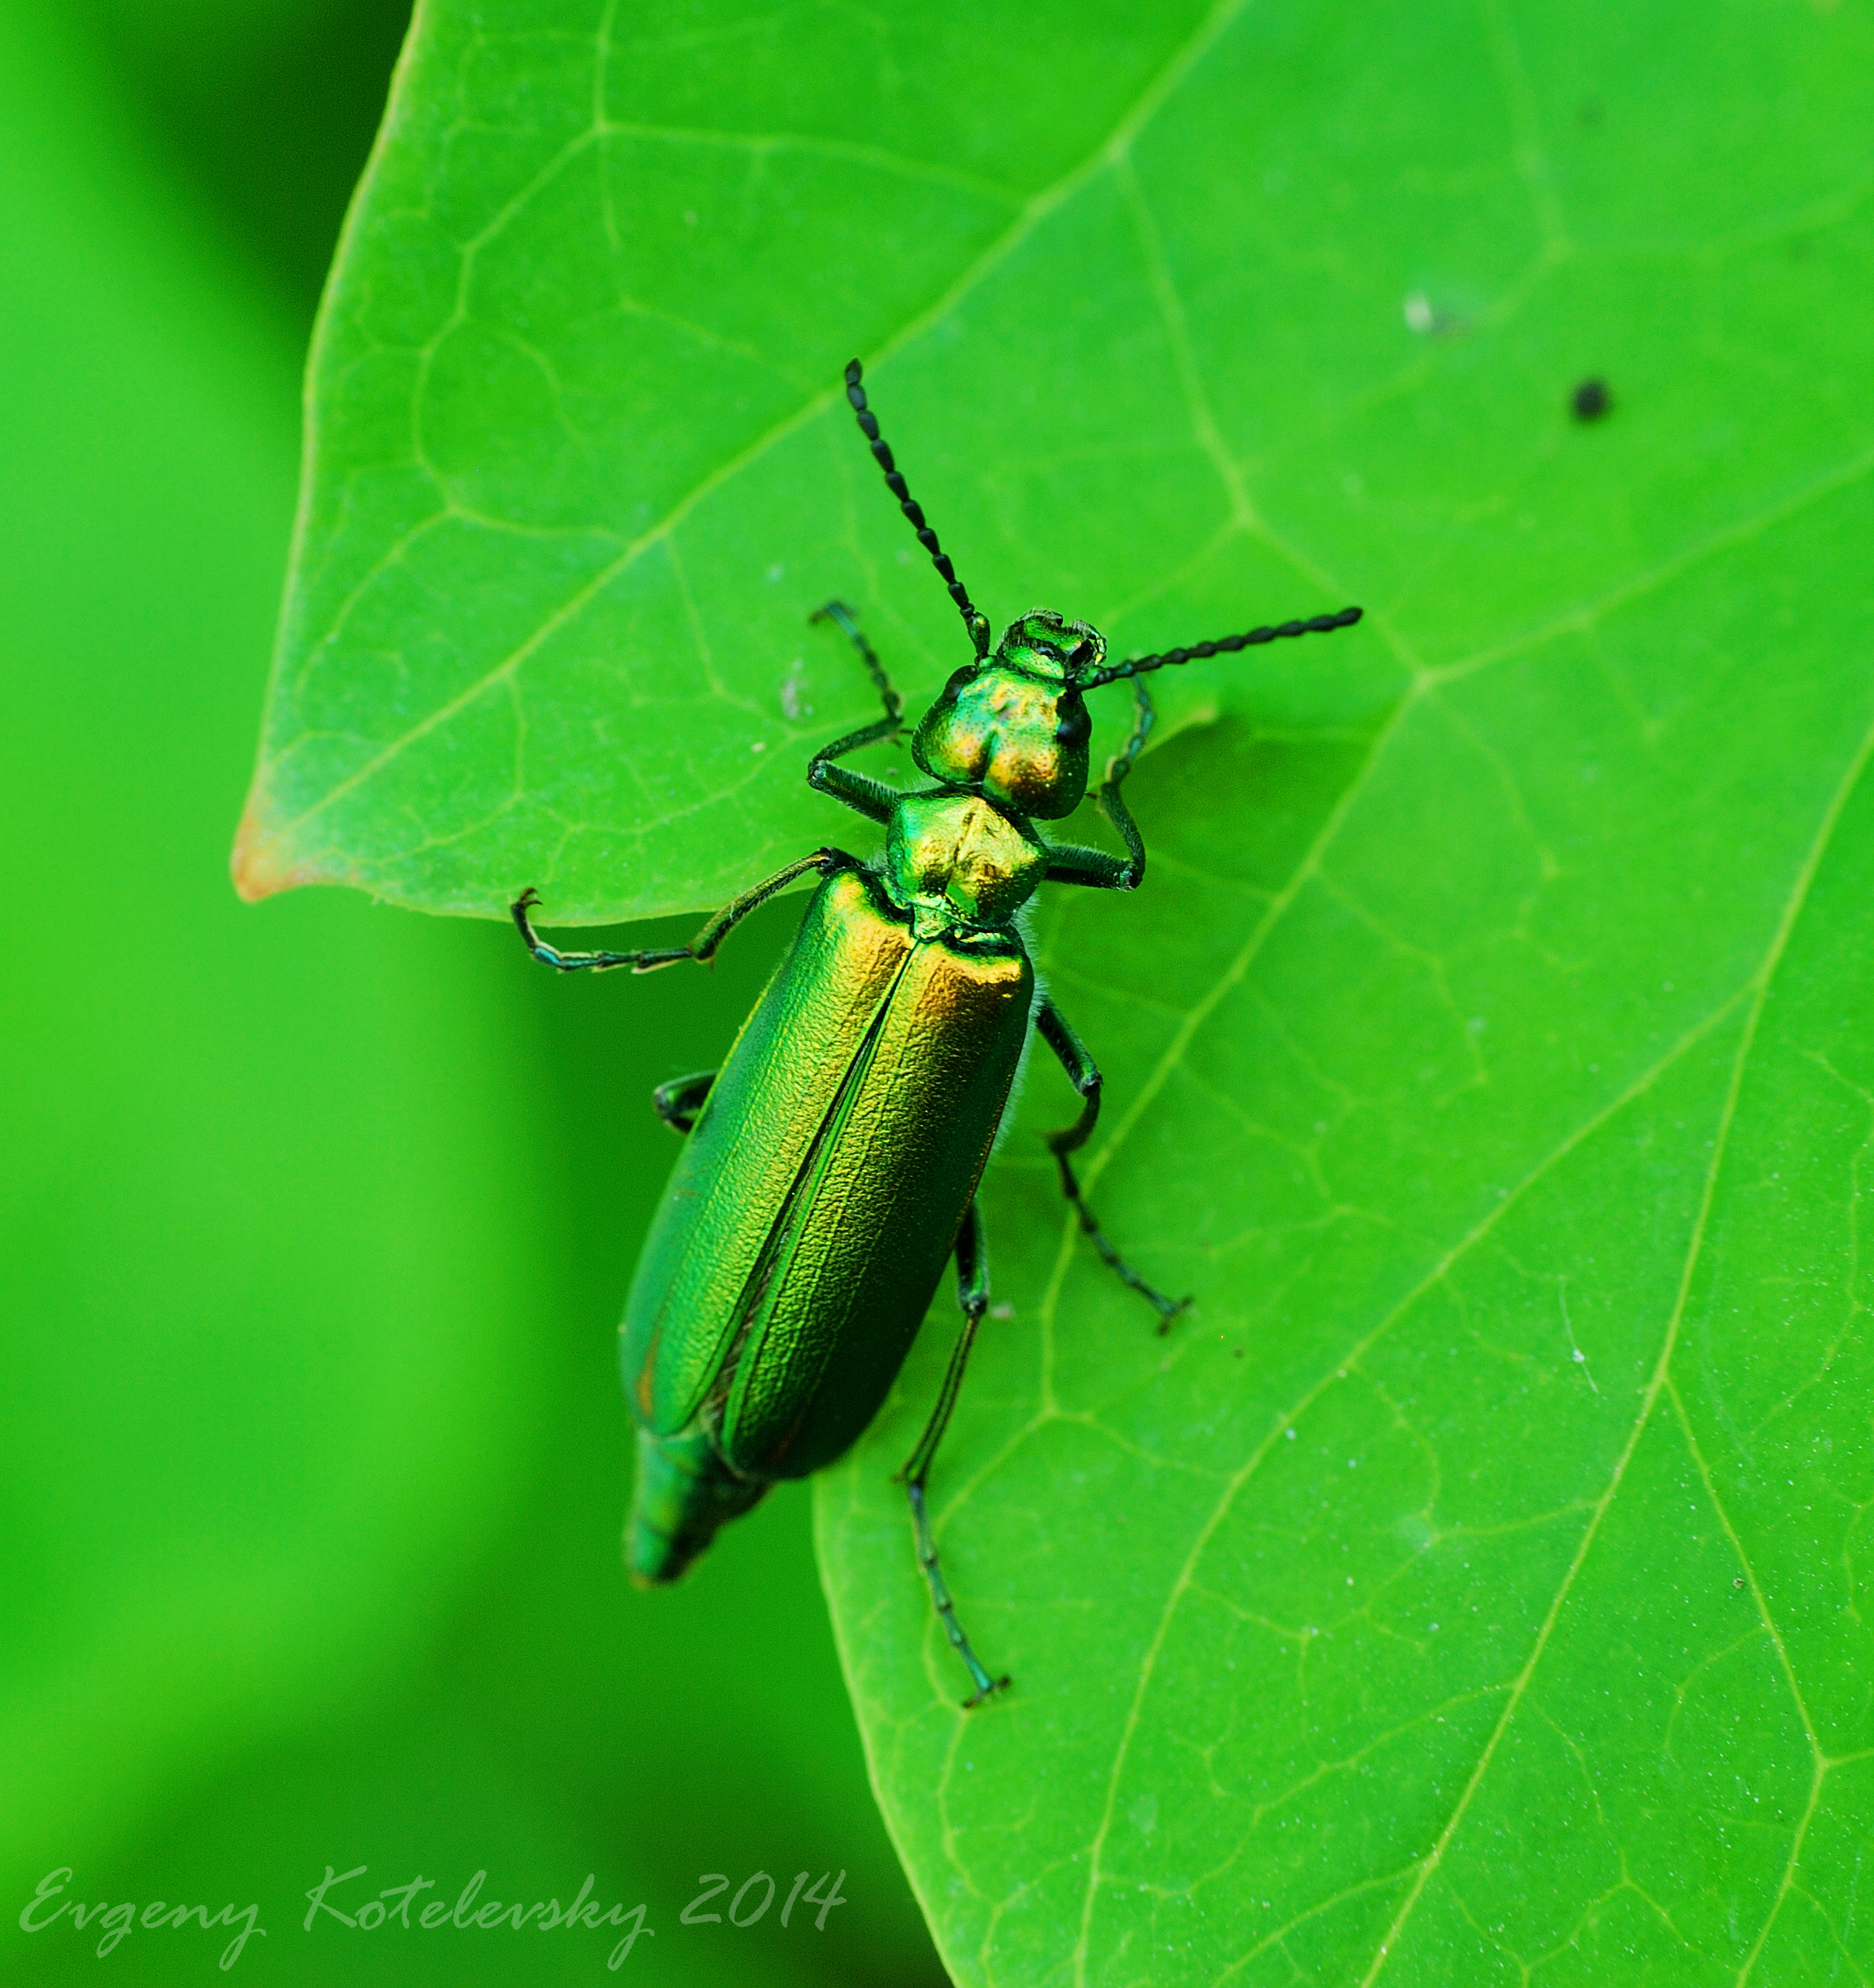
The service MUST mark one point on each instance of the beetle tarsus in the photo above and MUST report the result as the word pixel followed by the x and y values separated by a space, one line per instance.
pixel 1083 1072
pixel 860 791
pixel 985 1686
pixel 972 1295
pixel 1167 1309
pixel 575 962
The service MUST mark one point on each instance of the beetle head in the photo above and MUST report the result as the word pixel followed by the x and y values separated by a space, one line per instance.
pixel 1014 726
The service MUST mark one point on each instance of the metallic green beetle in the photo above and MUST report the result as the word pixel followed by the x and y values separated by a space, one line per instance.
pixel 831 1165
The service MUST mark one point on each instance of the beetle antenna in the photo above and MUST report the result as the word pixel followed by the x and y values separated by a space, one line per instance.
pixel 1135 666
pixel 975 621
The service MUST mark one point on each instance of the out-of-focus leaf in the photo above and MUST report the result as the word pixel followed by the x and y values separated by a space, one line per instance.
pixel 265 109
pixel 265 1382
pixel 1468 1590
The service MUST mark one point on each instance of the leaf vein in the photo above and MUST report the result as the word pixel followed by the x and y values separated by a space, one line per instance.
pixel 1439 1271
pixel 1757 988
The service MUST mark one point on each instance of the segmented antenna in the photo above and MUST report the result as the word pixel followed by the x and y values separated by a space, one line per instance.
pixel 1135 666
pixel 976 623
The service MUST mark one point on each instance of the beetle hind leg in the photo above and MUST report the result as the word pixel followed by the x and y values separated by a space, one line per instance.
pixel 972 1295
pixel 677 1102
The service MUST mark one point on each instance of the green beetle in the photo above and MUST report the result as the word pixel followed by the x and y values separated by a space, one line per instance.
pixel 831 1165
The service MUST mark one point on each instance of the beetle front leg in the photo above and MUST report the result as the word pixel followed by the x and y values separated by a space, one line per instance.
pixel 677 1102
pixel 871 797
pixel 972 1295
pixel 701 948
pixel 1084 1074
pixel 1073 863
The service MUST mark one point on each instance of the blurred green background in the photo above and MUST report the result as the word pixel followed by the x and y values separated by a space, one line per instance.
pixel 321 1214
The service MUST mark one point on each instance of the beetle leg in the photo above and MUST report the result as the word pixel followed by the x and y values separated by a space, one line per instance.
pixel 843 618
pixel 677 1102
pixel 1072 862
pixel 871 797
pixel 972 1295
pixel 701 948
pixel 1084 1074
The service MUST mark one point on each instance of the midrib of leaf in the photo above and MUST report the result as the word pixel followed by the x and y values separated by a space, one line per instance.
pixel 1291 1415
pixel 1111 149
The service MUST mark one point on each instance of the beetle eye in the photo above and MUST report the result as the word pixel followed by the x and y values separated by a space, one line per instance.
pixel 1075 727
pixel 959 679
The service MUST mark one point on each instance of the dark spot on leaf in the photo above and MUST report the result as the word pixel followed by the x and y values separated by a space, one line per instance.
pixel 1590 399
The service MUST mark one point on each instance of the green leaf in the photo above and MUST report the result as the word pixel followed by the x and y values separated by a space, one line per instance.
pixel 1468 1589
pixel 579 467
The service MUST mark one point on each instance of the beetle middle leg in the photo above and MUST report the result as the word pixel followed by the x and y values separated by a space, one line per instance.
pixel 701 948
pixel 677 1102
pixel 972 1295
pixel 1084 1074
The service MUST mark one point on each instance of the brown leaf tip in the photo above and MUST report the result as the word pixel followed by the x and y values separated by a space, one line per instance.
pixel 260 862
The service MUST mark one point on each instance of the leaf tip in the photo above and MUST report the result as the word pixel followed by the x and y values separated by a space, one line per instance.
pixel 260 862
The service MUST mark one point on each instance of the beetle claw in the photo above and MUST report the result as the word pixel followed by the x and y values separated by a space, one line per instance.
pixel 1167 1319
